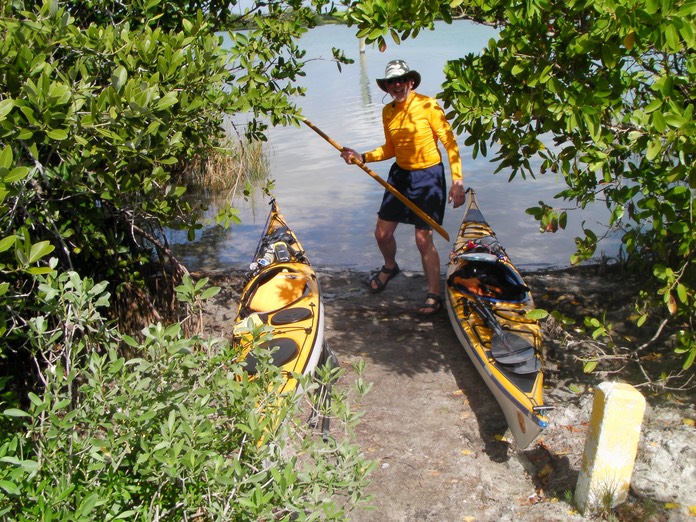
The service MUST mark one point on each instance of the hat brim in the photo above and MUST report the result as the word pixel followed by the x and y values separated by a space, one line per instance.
pixel 412 75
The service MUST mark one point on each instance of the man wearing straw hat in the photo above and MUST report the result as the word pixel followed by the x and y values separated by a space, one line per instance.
pixel 413 124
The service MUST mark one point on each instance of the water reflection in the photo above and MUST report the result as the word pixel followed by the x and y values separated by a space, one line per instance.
pixel 332 206
pixel 365 85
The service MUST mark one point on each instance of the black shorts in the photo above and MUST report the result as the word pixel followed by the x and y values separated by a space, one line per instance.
pixel 426 188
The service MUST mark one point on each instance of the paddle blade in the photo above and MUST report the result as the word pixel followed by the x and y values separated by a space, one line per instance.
pixel 533 365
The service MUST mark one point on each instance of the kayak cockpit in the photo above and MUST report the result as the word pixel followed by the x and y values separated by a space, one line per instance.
pixel 276 289
pixel 485 275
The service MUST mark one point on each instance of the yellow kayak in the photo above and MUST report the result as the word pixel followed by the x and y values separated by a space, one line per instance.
pixel 487 302
pixel 281 291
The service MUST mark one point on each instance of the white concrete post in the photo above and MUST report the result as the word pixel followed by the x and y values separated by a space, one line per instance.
pixel 610 447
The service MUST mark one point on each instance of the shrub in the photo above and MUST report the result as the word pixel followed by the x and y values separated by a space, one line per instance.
pixel 178 432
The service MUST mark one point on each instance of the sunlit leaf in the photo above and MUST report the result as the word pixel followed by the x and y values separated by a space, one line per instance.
pixel 682 293
pixel 39 250
pixel 690 359
pixel 57 134
pixel 7 242
pixel 119 78
pixel 9 487
pixel 16 174
pixel 537 314
pixel 575 388
pixel 589 366
pixel 14 412
pixel 6 106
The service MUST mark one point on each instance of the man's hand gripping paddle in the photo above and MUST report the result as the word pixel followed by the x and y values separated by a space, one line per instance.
pixel 425 217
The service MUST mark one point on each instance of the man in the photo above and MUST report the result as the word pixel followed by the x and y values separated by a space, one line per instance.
pixel 413 124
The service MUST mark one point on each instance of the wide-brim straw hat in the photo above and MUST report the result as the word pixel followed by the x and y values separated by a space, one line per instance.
pixel 398 69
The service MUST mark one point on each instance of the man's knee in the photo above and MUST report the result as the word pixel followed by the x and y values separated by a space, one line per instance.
pixel 384 232
pixel 424 239
pixel 383 236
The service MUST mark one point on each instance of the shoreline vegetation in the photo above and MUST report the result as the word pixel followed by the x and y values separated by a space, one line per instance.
pixel 235 164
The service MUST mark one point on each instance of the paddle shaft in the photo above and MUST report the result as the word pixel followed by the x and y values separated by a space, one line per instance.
pixel 425 217
pixel 484 312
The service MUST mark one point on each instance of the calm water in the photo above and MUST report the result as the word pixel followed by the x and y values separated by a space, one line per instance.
pixel 332 206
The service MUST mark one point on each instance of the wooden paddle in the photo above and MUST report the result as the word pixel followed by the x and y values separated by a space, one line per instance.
pixel 507 347
pixel 425 217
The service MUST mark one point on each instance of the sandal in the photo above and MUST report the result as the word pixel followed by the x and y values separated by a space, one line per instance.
pixel 391 274
pixel 431 308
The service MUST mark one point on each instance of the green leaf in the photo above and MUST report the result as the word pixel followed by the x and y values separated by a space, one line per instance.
pixel 39 250
pixel 589 366
pixel 654 148
pixel 126 515
pixel 57 134
pixel 575 388
pixel 676 121
pixel 35 399
pixel 210 292
pixel 87 505
pixel 653 105
pixel 9 487
pixel 395 37
pixel 537 314
pixel 563 220
pixel 682 293
pixel 119 78
pixel 16 174
pixel 672 37
pixel 40 270
pixel 15 412
pixel 130 341
pixel 6 106
pixel 30 466
pixel 658 120
pixel 166 102
pixel 6 157
pixel 652 6
pixel 690 359
pixel 7 242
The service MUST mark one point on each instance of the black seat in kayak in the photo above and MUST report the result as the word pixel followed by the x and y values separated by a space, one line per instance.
pixel 290 315
pixel 286 352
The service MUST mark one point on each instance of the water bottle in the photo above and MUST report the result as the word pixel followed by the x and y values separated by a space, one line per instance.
pixel 267 259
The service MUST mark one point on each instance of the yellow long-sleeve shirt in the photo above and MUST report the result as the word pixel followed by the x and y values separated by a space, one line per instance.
pixel 412 129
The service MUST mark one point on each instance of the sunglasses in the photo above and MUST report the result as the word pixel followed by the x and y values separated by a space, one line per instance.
pixel 400 79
